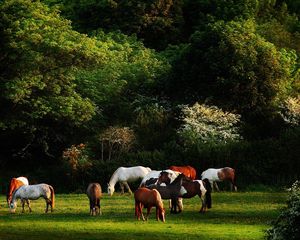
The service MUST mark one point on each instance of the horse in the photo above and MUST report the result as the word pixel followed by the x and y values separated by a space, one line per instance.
pixel 219 175
pixel 124 175
pixel 186 170
pixel 15 183
pixel 33 192
pixel 147 198
pixel 190 189
pixel 94 193
pixel 171 191
pixel 152 177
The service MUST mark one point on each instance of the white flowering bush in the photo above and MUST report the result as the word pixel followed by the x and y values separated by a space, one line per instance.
pixel 290 111
pixel 287 226
pixel 208 124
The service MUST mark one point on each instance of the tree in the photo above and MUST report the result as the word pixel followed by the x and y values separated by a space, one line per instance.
pixel 228 64
pixel 40 54
pixel 117 139
pixel 146 19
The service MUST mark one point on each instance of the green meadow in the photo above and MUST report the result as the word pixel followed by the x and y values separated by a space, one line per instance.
pixel 243 215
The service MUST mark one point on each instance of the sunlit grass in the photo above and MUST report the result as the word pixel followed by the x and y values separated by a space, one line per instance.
pixel 233 216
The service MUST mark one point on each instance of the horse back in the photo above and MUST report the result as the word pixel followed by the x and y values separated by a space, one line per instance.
pixel 228 173
pixel 94 190
pixel 188 171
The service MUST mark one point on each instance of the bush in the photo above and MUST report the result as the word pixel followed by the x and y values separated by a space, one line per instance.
pixel 287 226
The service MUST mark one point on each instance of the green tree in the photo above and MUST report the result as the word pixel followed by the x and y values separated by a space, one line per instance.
pixel 40 54
pixel 234 67
pixel 146 19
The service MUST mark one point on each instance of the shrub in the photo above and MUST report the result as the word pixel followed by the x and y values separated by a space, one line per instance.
pixel 287 226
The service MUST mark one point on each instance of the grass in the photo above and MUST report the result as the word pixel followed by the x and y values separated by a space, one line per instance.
pixel 233 216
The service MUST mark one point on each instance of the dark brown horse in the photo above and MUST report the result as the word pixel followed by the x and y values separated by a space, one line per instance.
pixel 147 198
pixel 94 193
pixel 186 170
pixel 171 190
pixel 219 175
pixel 191 188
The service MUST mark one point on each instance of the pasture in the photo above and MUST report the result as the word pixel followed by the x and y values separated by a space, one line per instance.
pixel 241 215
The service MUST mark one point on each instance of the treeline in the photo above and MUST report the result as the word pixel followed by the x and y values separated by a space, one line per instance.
pixel 88 86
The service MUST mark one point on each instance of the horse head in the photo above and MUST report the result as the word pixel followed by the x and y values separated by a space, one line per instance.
pixel 13 206
pixel 164 178
pixel 110 189
pixel 162 213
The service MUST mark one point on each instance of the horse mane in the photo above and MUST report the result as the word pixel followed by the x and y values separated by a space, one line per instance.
pixel 112 178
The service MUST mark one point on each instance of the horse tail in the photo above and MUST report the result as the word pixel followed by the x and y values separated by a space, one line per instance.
pixel 234 179
pixel 208 193
pixel 52 197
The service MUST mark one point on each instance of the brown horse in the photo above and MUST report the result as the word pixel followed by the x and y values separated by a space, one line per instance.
pixel 186 170
pixel 220 175
pixel 190 189
pixel 14 184
pixel 94 193
pixel 147 198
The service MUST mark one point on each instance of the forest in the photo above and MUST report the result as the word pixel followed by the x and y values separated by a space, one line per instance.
pixel 91 85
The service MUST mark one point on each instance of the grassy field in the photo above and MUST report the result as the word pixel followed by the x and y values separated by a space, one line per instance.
pixel 233 216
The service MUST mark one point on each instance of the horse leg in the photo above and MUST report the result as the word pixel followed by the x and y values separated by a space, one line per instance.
pixel 99 207
pixel 232 185
pixel 28 205
pixel 47 205
pixel 23 204
pixel 203 206
pixel 216 186
pixel 180 204
pixel 141 211
pixel 128 188
pixel 174 205
pixel 148 212
pixel 122 187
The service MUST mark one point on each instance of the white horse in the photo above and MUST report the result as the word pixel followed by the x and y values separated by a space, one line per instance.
pixel 215 175
pixel 153 176
pixel 33 192
pixel 124 175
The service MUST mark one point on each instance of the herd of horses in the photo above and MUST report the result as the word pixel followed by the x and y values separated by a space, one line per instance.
pixel 174 183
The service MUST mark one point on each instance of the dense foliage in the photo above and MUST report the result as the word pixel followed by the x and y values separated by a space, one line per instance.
pixel 202 82
pixel 287 224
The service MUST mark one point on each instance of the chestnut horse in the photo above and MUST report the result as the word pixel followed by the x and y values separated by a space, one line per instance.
pixel 219 175
pixel 15 183
pixel 94 193
pixel 147 198
pixel 186 170
pixel 190 189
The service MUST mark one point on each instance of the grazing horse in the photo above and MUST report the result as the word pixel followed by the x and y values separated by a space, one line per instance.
pixel 152 177
pixel 186 170
pixel 171 191
pixel 15 183
pixel 192 188
pixel 147 198
pixel 33 192
pixel 219 175
pixel 94 193
pixel 124 175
